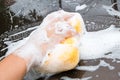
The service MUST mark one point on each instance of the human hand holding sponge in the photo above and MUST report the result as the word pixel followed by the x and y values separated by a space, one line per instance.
pixel 54 46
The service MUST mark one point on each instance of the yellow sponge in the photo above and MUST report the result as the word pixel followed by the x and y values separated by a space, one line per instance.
pixel 64 56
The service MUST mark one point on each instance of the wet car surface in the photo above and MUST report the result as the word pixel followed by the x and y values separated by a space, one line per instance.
pixel 21 16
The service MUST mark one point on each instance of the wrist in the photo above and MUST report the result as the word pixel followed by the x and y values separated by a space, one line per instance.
pixel 30 54
pixel 12 68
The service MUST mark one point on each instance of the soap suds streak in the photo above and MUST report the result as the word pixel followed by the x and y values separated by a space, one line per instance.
pixel 111 11
pixel 119 73
pixel 80 7
pixel 68 78
pixel 14 45
pixel 29 29
pixel 94 68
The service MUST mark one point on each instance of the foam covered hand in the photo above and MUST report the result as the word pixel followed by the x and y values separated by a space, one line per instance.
pixel 51 32
pixel 65 55
pixel 53 46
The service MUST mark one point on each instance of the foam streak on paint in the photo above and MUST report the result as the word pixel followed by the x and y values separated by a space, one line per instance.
pixel 68 78
pixel 80 7
pixel 94 68
pixel 24 31
pixel 111 11
pixel 119 73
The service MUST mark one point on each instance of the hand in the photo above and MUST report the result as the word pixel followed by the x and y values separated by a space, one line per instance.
pixel 51 32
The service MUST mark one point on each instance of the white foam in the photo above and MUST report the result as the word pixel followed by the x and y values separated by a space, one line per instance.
pixel 80 7
pixel 96 75
pixel 118 73
pixel 114 55
pixel 63 29
pixel 111 11
pixel 29 29
pixel 68 78
pixel 95 44
pixel 94 68
pixel 12 46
